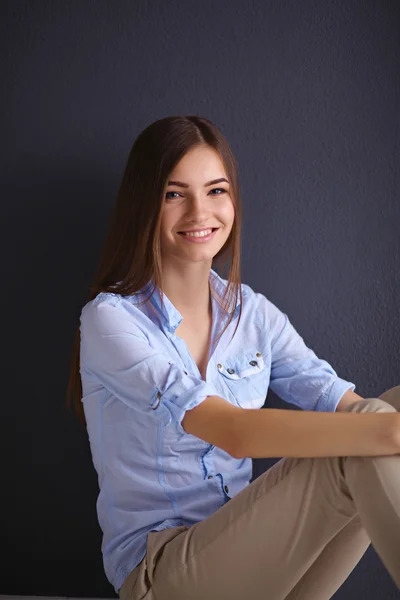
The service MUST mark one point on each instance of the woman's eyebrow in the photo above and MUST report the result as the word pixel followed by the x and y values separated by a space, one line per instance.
pixel 185 185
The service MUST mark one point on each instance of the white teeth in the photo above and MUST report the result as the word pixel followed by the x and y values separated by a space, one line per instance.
pixel 199 233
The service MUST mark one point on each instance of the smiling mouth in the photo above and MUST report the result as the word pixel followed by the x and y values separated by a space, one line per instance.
pixel 212 230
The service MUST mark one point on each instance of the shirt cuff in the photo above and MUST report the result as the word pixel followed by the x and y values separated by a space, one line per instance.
pixel 332 396
pixel 182 396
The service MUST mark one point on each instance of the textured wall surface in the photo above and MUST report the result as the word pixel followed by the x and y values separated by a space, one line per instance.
pixel 307 93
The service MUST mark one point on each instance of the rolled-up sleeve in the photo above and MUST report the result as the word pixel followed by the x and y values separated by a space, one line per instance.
pixel 116 353
pixel 298 376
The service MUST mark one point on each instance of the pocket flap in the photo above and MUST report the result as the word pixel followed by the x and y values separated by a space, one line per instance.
pixel 243 365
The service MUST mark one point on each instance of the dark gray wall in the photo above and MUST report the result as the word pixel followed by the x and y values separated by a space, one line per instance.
pixel 307 93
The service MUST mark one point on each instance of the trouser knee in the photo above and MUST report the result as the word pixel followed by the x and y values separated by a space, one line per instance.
pixel 388 401
pixel 371 405
pixel 392 397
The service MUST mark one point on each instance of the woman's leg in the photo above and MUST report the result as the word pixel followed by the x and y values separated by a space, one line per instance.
pixel 278 530
pixel 343 553
pixel 339 557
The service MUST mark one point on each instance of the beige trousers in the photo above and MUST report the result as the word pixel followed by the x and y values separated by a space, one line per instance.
pixel 294 533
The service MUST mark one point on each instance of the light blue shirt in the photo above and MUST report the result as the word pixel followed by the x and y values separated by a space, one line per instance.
pixel 138 380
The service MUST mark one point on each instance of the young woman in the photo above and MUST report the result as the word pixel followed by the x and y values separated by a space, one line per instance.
pixel 171 365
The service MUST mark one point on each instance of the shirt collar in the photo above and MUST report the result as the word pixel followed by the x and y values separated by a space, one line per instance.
pixel 172 315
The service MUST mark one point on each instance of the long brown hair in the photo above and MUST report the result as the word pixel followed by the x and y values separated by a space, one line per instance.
pixel 130 259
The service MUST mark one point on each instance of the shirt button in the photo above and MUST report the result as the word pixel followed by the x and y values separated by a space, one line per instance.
pixel 258 354
pixel 226 488
pixel 231 371
pixel 219 366
pixel 253 363
pixel 158 401
pixel 209 477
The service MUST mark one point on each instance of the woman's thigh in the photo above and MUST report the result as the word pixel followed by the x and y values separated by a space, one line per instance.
pixel 259 544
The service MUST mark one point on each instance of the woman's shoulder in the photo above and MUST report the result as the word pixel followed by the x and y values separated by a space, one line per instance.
pixel 261 305
pixel 106 307
pixel 102 298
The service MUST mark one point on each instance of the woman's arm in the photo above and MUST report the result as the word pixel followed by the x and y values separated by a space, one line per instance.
pixel 298 375
pixel 116 354
pixel 348 398
pixel 273 432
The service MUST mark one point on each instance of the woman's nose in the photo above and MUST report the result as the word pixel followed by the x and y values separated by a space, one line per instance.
pixel 198 205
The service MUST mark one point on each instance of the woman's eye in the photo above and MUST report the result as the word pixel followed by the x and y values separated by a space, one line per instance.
pixel 223 190
pixel 166 195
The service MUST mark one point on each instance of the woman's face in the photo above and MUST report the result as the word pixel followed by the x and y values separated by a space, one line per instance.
pixel 197 206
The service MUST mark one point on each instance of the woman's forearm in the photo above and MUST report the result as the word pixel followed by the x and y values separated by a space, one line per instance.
pixel 271 432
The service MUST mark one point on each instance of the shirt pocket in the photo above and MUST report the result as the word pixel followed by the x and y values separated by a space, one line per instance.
pixel 247 377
